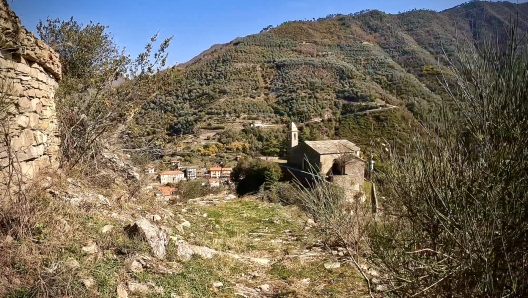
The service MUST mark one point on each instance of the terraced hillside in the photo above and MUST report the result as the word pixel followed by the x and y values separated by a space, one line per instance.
pixel 330 69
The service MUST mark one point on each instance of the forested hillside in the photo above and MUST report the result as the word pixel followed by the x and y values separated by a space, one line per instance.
pixel 331 69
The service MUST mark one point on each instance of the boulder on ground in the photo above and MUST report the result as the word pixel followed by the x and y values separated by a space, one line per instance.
pixel 157 237
pixel 90 248
pixel 185 251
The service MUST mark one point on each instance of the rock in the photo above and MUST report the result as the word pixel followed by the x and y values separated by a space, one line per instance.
pixel 218 284
pixel 230 197
pixel 260 261
pixel 264 288
pixel 8 239
pixel 157 238
pixel 134 266
pixel 89 283
pixel 204 215
pixel 71 264
pixel 144 289
pixel 381 288
pixel 90 248
pixel 172 268
pixel 242 290
pixel 121 291
pixel 332 265
pixel 156 217
pixel 185 251
pixel 114 161
pixel 106 229
pixel 46 182
pixel 185 224
pixel 138 288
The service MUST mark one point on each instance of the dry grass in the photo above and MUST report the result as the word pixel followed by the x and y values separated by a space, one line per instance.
pixel 38 262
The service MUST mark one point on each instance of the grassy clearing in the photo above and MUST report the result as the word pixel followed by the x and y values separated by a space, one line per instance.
pixel 244 226
pixel 36 264
pixel 253 228
pixel 197 278
pixel 310 278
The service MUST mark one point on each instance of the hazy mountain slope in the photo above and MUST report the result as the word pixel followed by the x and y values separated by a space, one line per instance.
pixel 331 67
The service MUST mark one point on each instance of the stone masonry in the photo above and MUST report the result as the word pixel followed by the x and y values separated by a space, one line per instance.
pixel 29 74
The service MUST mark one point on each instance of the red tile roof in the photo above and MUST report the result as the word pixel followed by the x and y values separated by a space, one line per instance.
pixel 166 190
pixel 171 173
pixel 215 169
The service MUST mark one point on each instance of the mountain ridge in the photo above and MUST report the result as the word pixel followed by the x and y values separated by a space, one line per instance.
pixel 330 69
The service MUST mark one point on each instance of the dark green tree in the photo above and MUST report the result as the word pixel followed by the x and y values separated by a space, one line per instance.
pixel 251 175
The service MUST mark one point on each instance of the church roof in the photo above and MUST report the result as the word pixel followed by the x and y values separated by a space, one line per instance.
pixel 332 146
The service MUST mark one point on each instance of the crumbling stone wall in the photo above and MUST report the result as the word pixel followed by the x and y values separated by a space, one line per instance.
pixel 29 74
pixel 353 181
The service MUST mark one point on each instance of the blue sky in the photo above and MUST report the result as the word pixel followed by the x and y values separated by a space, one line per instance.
pixel 197 24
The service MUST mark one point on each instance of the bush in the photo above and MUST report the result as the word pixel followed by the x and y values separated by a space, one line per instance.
pixel 341 223
pixel 455 216
pixel 251 175
pixel 281 192
pixel 92 107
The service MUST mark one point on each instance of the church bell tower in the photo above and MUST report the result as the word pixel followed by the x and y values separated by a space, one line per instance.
pixel 294 136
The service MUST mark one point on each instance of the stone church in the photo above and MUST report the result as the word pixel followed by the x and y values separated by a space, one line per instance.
pixel 337 161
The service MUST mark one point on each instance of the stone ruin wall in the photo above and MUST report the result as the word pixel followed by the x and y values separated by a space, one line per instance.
pixel 353 182
pixel 29 74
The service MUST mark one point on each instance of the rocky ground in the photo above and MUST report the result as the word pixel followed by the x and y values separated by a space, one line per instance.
pixel 108 242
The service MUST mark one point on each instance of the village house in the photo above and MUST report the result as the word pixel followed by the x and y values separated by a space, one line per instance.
pixel 215 172
pixel 225 173
pixel 176 162
pixel 190 173
pixel 220 173
pixel 171 177
pixel 213 182
pixel 165 191
pixel 150 169
pixel 337 161
pixel 201 172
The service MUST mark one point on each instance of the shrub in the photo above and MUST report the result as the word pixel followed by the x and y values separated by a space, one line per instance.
pixel 341 223
pixel 454 223
pixel 101 87
pixel 251 175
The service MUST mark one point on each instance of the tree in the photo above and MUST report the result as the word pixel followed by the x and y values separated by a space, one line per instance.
pixel 455 223
pixel 84 51
pixel 102 88
pixel 251 175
